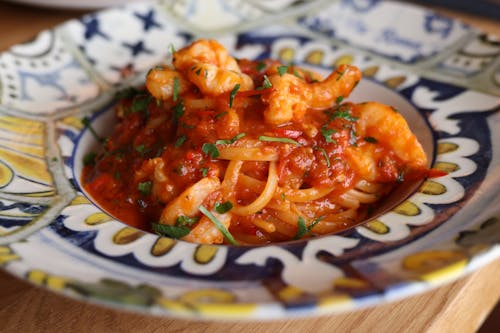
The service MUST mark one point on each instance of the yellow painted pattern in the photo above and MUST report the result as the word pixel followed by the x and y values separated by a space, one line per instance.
pixel 315 57
pixel 446 147
pixel 73 122
pixel 351 283
pixel 6 255
pixel 446 166
pixel 127 235
pixel 80 200
pixel 26 166
pixel 408 208
pixel 346 59
pixel 335 301
pixel 287 54
pixel 205 253
pixel 432 188
pixel 6 175
pixel 395 82
pixel 430 263
pixel 370 71
pixel 290 293
pixel 37 151
pixel 97 218
pixel 162 246
pixel 377 226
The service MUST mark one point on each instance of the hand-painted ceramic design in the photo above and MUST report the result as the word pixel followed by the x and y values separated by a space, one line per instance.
pixel 442 75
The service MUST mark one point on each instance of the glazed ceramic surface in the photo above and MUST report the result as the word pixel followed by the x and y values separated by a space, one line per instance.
pixel 442 75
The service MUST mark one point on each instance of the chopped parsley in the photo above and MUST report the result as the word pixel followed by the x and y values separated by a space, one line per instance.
pixel 233 140
pixel 171 48
pixel 327 134
pixel 145 187
pixel 282 70
pixel 266 84
pixel 277 139
pixel 224 207
pixel 186 221
pixel 221 227
pixel 140 103
pixel 210 149
pixel 340 114
pixel 220 115
pixel 260 66
pixel 204 172
pixel 87 124
pixel 178 110
pixel 325 155
pixel 171 231
pixel 304 229
pixel 180 140
pixel 339 99
pixel 232 94
pixel 176 89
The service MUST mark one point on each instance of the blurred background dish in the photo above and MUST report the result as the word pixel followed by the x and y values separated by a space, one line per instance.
pixel 72 4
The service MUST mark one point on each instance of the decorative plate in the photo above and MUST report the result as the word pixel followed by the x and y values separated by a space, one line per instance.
pixel 443 74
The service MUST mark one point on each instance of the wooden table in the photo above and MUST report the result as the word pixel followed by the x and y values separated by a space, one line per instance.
pixel 460 306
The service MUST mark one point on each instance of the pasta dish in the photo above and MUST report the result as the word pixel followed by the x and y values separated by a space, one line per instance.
pixel 218 150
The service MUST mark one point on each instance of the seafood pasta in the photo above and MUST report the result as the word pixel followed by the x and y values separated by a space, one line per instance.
pixel 219 150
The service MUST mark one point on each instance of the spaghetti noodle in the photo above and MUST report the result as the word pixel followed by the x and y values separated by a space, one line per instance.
pixel 216 150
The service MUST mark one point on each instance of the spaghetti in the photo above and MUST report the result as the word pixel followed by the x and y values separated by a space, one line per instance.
pixel 216 150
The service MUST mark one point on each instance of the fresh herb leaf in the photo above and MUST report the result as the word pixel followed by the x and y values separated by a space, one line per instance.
pixel 198 71
pixel 140 103
pixel 327 134
pixel 180 140
pixel 222 208
pixel 325 155
pixel 87 124
pixel 302 228
pixel 89 159
pixel 176 89
pixel 145 187
pixel 141 149
pixel 171 231
pixel 266 84
pixel 210 149
pixel 221 227
pixel 282 70
pixel 232 94
pixel 370 139
pixel 204 172
pixel 340 114
pixel 220 115
pixel 171 48
pixel 276 139
pixel 186 221
pixel 260 66
pixel 233 140
pixel 178 110
pixel 339 99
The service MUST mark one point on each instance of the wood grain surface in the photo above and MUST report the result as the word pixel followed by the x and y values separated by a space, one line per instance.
pixel 460 306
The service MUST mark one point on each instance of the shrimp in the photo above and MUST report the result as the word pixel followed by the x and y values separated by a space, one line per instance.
pixel 388 129
pixel 160 82
pixel 292 96
pixel 208 65
pixel 205 232
pixel 189 201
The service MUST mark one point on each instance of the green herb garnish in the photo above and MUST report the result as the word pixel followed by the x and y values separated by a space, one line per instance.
pixel 204 172
pixel 282 70
pixel 87 124
pixel 327 134
pixel 176 89
pixel 145 187
pixel 276 139
pixel 219 225
pixel 222 208
pixel 180 140
pixel 178 110
pixel 304 229
pixel 140 103
pixel 186 221
pixel 210 149
pixel 260 66
pixel 171 231
pixel 232 94
pixel 233 140
pixel 339 99
pixel 266 84
pixel 325 155
pixel 340 114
